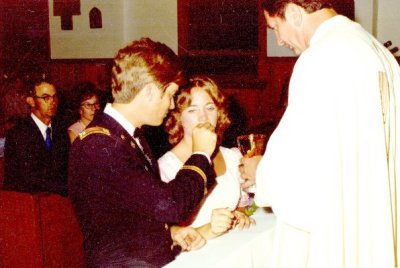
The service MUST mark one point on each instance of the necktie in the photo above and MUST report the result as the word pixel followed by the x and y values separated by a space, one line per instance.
pixel 138 134
pixel 47 141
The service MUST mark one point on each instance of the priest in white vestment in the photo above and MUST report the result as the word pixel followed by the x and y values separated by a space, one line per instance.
pixel 331 168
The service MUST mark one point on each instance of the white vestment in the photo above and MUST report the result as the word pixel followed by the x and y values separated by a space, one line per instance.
pixel 329 171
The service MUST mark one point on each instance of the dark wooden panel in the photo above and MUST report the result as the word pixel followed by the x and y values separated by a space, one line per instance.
pixel 220 37
pixel 216 25
pixel 25 35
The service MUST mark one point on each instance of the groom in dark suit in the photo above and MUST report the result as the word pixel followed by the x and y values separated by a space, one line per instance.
pixel 122 205
pixel 36 149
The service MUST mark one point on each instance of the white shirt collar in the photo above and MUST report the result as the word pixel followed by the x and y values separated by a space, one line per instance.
pixel 42 126
pixel 111 111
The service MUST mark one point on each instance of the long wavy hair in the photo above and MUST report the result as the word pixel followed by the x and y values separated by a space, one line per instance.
pixel 173 124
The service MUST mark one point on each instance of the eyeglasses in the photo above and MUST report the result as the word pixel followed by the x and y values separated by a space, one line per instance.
pixel 47 98
pixel 95 105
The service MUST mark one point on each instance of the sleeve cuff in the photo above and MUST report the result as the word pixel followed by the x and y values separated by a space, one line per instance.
pixel 206 155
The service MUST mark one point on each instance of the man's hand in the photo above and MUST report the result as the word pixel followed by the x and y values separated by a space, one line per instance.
pixel 247 168
pixel 222 220
pixel 187 237
pixel 204 138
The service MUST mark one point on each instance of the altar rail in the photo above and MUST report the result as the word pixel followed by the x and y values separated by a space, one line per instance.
pixel 38 230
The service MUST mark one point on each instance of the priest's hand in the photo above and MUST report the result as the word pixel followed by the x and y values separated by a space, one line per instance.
pixel 247 168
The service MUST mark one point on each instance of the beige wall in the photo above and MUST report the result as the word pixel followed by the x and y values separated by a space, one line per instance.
pixel 123 21
pixel 388 26
pixel 157 19
pixel 83 42
pixel 127 20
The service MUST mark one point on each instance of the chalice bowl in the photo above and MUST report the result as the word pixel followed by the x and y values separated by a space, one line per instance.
pixel 251 145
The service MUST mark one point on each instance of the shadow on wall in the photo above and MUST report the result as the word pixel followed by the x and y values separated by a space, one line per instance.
pixel 238 122
pixel 344 7
pixel 242 125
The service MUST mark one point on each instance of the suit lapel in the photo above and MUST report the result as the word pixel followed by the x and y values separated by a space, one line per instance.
pixel 120 133
pixel 36 132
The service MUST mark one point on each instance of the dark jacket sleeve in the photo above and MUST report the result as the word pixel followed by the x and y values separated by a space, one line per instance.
pixel 10 161
pixel 106 170
pixel 199 162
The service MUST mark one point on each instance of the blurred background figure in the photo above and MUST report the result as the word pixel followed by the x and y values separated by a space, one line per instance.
pixel 198 102
pixel 13 103
pixel 86 105
pixel 36 149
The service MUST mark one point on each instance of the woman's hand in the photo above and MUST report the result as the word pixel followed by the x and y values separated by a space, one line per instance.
pixel 187 237
pixel 242 221
pixel 221 220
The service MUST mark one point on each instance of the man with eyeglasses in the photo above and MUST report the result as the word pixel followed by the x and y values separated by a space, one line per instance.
pixel 36 149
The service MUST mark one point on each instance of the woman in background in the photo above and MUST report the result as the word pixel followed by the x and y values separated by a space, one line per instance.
pixel 201 101
pixel 88 105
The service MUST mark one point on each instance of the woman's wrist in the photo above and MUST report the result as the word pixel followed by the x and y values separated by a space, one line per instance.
pixel 206 231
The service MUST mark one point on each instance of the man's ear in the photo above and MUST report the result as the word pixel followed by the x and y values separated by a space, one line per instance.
pixel 294 14
pixel 149 91
pixel 30 101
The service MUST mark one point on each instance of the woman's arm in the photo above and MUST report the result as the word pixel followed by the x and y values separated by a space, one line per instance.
pixel 222 220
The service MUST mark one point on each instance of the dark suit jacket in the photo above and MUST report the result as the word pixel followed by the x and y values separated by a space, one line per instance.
pixel 122 205
pixel 29 167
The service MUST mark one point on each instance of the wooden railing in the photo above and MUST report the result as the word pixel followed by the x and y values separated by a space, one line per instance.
pixel 38 230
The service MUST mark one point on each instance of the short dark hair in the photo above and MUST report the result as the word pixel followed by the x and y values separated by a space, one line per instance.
pixel 173 124
pixel 140 63
pixel 84 91
pixel 33 82
pixel 276 8
pixel 34 79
